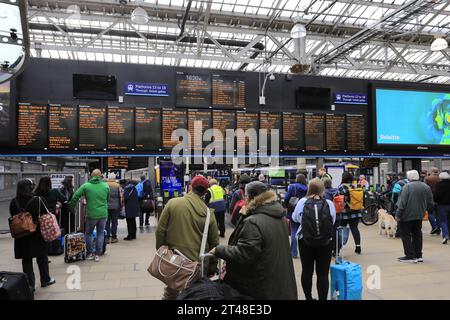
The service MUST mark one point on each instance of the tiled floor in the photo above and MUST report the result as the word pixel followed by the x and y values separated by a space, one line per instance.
pixel 122 272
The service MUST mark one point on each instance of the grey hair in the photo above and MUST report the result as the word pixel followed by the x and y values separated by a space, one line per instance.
pixel 413 175
pixel 444 175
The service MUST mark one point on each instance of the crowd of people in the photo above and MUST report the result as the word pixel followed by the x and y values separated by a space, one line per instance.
pixel 268 233
pixel 105 202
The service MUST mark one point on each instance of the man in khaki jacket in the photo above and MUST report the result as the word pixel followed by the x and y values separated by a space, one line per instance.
pixel 182 223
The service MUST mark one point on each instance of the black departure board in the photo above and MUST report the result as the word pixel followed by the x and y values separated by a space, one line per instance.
pixel 32 126
pixel 171 120
pixel 269 122
pixel 148 129
pixel 62 127
pixel 314 132
pixel 293 132
pixel 335 132
pixel 246 121
pixel 228 92
pixel 120 128
pixel 5 100
pixel 193 117
pixel 193 90
pixel 356 132
pixel 223 120
pixel 118 162
pixel 92 128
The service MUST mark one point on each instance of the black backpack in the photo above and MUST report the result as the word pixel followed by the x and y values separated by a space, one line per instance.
pixel 317 223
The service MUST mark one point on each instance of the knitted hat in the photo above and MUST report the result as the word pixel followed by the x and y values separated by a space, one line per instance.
pixel 254 189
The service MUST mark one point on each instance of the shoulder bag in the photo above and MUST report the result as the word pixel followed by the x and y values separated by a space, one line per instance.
pixel 22 224
pixel 174 269
pixel 48 224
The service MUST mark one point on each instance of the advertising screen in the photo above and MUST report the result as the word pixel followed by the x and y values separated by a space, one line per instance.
pixel 407 117
pixel 171 178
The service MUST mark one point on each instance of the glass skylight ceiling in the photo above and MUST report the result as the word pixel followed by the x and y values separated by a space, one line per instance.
pixel 102 31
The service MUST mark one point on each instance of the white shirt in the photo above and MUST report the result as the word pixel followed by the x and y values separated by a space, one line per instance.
pixel 297 215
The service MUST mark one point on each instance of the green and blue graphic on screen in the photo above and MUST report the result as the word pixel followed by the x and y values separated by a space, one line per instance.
pixel 412 117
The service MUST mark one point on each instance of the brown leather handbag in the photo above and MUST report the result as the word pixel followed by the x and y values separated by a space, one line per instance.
pixel 176 270
pixel 21 224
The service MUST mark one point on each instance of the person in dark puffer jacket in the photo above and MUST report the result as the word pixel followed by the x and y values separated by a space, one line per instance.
pixel 442 199
pixel 258 259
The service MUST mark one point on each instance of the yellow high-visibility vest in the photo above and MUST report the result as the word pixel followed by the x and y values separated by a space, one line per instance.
pixel 216 193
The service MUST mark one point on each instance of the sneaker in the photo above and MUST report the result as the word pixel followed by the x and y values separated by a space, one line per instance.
pixel 436 231
pixel 419 259
pixel 52 281
pixel 114 240
pixel 127 238
pixel 444 241
pixel 90 256
pixel 407 260
pixel 97 258
pixel 358 249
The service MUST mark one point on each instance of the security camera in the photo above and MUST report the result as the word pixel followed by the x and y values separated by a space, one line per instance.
pixel 272 77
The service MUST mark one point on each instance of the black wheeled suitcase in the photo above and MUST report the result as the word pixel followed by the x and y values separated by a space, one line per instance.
pixel 14 286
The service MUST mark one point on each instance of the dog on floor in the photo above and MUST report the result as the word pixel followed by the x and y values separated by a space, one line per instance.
pixel 387 222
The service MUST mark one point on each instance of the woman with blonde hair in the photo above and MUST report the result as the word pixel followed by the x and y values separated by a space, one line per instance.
pixel 316 217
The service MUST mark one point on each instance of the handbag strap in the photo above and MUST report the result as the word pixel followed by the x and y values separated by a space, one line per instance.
pixel 46 209
pixel 205 231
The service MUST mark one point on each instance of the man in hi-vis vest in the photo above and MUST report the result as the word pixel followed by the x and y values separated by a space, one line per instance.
pixel 215 198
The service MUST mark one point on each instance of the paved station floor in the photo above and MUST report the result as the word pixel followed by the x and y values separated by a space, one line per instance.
pixel 122 272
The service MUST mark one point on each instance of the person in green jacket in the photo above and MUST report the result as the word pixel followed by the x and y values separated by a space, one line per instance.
pixel 182 223
pixel 96 192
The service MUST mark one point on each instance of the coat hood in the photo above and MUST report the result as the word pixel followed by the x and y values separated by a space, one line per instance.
pixel 266 203
pixel 195 204
pixel 95 180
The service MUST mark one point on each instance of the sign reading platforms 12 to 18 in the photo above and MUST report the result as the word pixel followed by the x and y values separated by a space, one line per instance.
pixel 146 89
pixel 350 98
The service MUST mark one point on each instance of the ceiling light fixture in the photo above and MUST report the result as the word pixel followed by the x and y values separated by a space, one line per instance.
pixel 439 44
pixel 139 16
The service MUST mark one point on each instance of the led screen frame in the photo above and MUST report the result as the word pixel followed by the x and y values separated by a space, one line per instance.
pixel 404 148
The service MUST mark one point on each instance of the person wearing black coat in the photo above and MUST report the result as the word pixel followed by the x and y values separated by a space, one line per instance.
pixel 132 208
pixel 258 257
pixel 33 245
pixel 442 199
pixel 67 214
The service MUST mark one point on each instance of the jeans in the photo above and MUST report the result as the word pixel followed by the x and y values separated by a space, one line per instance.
pixel 321 257
pixel 42 262
pixel 444 213
pixel 111 223
pixel 433 218
pixel 412 238
pixel 294 229
pixel 92 224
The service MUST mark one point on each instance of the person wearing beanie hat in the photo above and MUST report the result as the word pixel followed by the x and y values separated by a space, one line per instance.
pixel 181 226
pixel 215 199
pixel 258 258
pixel 115 204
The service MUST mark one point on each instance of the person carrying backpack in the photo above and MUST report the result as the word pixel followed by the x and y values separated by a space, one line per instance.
pixel 316 217
pixel 295 192
pixel 145 196
pixel 354 204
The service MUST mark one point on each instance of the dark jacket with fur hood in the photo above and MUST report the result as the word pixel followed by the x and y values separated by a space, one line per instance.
pixel 258 258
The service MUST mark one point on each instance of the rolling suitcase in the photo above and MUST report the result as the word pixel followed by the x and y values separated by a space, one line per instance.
pixel 15 286
pixel 75 244
pixel 346 277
